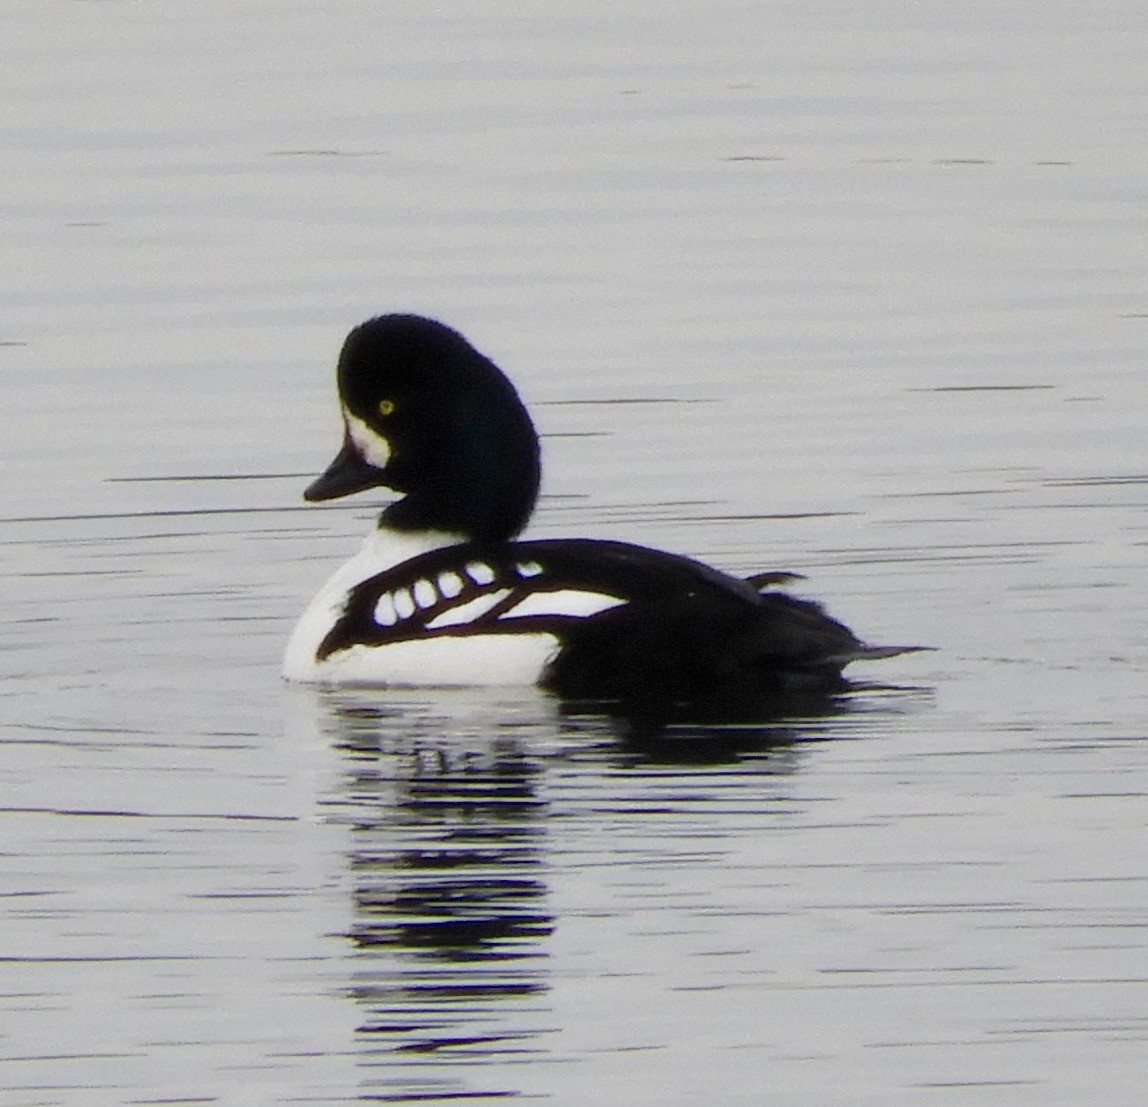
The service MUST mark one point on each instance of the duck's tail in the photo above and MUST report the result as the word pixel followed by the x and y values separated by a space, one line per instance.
pixel 876 653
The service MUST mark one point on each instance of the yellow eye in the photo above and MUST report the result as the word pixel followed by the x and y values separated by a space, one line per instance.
pixel 386 407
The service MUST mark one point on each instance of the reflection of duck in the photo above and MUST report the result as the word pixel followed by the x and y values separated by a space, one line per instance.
pixel 441 594
pixel 452 920
pixel 465 889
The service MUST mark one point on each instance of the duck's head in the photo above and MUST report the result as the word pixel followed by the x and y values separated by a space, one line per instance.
pixel 427 415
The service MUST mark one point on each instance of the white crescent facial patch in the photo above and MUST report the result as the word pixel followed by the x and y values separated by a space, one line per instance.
pixel 372 446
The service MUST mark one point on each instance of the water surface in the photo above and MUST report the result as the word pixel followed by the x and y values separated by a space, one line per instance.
pixel 857 293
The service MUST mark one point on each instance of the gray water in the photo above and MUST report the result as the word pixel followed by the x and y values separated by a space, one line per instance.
pixel 852 290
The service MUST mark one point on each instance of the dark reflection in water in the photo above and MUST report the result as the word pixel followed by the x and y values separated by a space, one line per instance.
pixel 450 914
pixel 721 731
pixel 455 814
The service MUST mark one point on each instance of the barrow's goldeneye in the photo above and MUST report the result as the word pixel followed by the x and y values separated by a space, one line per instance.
pixel 442 593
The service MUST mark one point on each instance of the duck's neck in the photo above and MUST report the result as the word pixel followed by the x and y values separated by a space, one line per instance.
pixel 385 546
pixel 480 510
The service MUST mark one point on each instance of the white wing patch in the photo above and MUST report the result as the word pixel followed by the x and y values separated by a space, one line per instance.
pixel 385 613
pixel 449 584
pixel 468 612
pixel 404 603
pixel 478 571
pixel 425 595
pixel 395 607
pixel 567 602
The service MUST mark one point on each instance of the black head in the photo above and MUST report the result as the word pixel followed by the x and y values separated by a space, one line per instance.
pixel 429 416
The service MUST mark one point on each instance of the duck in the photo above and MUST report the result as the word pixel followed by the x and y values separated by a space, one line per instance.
pixel 444 592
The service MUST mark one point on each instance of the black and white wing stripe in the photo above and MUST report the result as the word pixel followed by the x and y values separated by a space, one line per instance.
pixel 546 586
